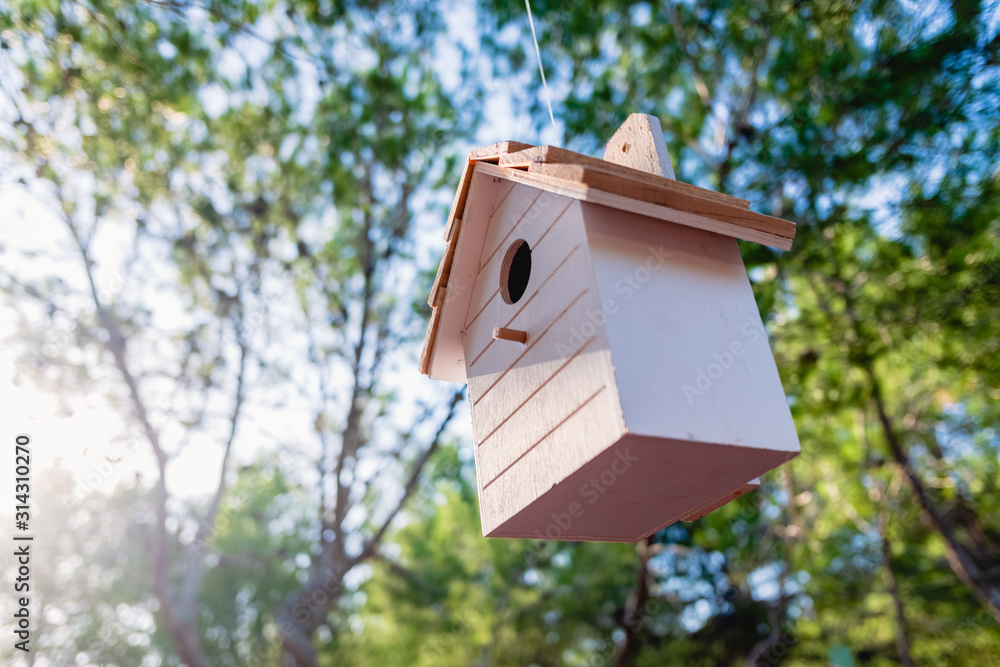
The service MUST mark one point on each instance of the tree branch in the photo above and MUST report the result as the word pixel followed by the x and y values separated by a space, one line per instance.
pixel 195 571
pixel 902 641
pixel 181 627
pixel 699 81
pixel 634 616
pixel 979 583
pixel 982 584
pixel 739 121
pixel 372 544
pixel 305 609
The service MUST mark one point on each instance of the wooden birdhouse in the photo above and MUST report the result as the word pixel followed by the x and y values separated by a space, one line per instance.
pixel 620 378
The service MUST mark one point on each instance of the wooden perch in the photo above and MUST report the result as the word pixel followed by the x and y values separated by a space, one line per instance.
pixel 503 333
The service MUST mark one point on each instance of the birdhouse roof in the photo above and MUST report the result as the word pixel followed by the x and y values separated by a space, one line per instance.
pixel 598 181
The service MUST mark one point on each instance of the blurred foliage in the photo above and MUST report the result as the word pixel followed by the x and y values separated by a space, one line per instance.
pixel 257 140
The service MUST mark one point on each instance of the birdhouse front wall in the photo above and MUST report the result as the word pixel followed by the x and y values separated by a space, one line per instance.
pixel 543 409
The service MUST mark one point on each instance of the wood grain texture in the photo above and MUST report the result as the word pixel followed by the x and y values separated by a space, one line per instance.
pixel 725 498
pixel 424 365
pixel 444 269
pixel 443 355
pixel 622 493
pixel 689 347
pixel 523 159
pixel 655 194
pixel 494 151
pixel 577 440
pixel 552 247
pixel 638 143
pixel 583 192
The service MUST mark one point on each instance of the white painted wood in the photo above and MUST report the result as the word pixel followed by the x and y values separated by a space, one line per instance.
pixel 571 385
pixel 639 144
pixel 510 212
pixel 486 358
pixel 557 389
pixel 504 189
pixel 620 493
pixel 644 359
pixel 504 382
pixel 447 354
pixel 691 356
pixel 575 442
pixel 548 253
pixel 535 226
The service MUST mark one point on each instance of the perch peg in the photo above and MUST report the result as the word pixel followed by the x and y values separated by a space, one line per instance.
pixel 503 333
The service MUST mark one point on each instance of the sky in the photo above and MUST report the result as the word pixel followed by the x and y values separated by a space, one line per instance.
pixel 83 431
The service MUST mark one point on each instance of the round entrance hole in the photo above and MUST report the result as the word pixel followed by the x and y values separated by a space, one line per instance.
pixel 515 271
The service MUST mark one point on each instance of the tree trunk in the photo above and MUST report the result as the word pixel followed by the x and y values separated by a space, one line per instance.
pixel 635 608
pixel 301 615
pixel 902 641
pixel 962 562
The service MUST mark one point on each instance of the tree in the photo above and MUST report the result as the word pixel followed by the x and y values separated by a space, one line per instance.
pixel 874 126
pixel 237 185
pixel 239 190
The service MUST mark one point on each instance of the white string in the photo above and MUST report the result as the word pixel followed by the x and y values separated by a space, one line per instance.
pixel 538 52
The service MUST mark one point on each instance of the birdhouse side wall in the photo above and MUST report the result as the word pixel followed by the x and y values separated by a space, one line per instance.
pixel 542 409
pixel 690 353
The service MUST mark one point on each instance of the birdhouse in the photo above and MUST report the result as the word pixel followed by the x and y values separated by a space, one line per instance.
pixel 620 377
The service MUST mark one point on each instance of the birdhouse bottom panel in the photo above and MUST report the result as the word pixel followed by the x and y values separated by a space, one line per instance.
pixel 635 487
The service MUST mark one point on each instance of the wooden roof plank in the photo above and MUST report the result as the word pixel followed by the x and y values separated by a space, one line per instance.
pixel 584 192
pixel 552 155
pixel 599 181
pixel 664 196
pixel 491 153
pixel 494 151
pixel 444 268
pixel 428 350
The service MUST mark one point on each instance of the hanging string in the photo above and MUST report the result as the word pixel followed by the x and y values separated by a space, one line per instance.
pixel 541 70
